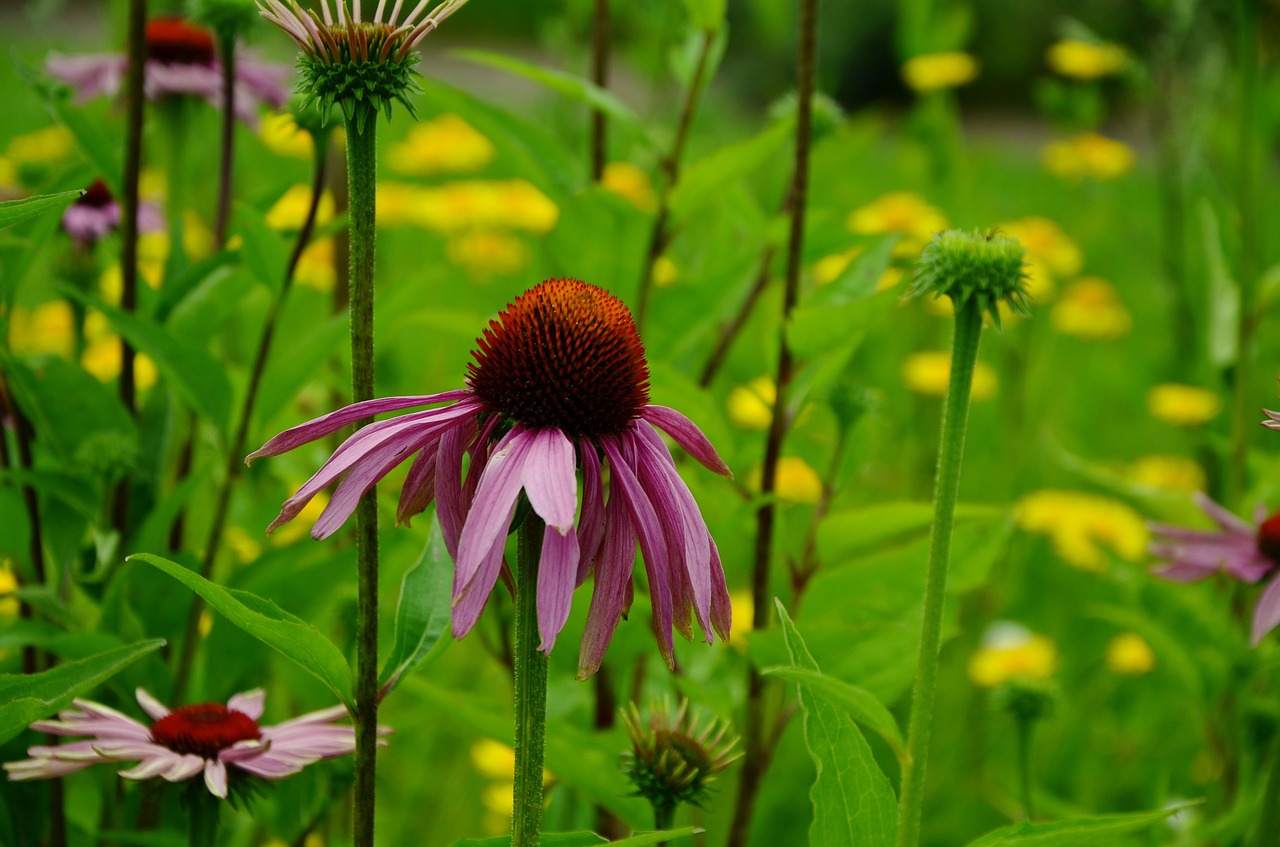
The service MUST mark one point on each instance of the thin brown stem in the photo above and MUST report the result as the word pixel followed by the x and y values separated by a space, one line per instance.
pixel 227 51
pixel 756 752
pixel 600 26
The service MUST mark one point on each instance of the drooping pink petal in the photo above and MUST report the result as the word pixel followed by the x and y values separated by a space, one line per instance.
pixel 688 436
pixel 419 487
pixel 609 592
pixel 557 577
pixel 450 507
pixel 549 479
pixel 1266 615
pixel 42 768
pixel 215 778
pixel 152 767
pixel 153 707
pixel 1273 419
pixel 91 76
pixel 468 606
pixel 721 607
pixel 591 522
pixel 183 768
pixel 249 702
pixel 490 514
pixel 1223 517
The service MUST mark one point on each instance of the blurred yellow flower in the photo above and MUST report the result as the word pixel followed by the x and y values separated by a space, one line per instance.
pixel 49 328
pixel 630 183
pixel 1080 525
pixel 890 278
pixel 1010 651
pixel 493 759
pixel 1088 155
pixel 1084 59
pixel 101 357
pixel 928 372
pixel 290 211
pixel 1182 405
pixel 8 585
pixel 796 482
pixel 42 147
pixel 743 606
pixel 316 268
pixel 245 547
pixel 751 405
pixel 936 71
pixel 1046 244
pixel 1129 654
pixel 8 175
pixel 899 212
pixel 205 625
pixel 484 252
pixel 829 268
pixel 1090 308
pixel 665 272
pixel 296 530
pixel 281 135
pixel 1170 473
pixel 153 250
pixel 447 144
pixel 468 204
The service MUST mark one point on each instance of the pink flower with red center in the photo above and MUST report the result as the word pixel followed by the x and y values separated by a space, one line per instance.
pixel 94 215
pixel 187 741
pixel 559 389
pixel 181 60
pixel 1248 552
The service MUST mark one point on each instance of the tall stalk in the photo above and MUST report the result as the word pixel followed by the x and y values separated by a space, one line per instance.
pixel 755 743
pixel 530 692
pixel 226 154
pixel 600 27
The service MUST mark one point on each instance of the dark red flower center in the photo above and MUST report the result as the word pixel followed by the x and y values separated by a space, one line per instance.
pixel 1269 538
pixel 565 354
pixel 204 729
pixel 176 41
pixel 97 195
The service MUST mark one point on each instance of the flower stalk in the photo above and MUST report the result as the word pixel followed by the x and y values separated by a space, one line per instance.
pixel 202 828
pixel 226 155
pixel 530 691
pixel 600 26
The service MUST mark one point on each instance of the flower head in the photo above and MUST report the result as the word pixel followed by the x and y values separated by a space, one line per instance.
pixel 1183 405
pixel 1088 155
pixel 1091 309
pixel 97 213
pixel 362 65
pixel 1129 654
pixel 672 760
pixel 1248 552
pixel 1086 60
pixel 181 60
pixel 1010 650
pixel 938 71
pixel 986 268
pixel 899 212
pixel 559 386
pixel 186 741
pixel 1080 525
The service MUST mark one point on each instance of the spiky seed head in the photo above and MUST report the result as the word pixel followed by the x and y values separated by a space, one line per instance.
pixel 985 267
pixel 673 760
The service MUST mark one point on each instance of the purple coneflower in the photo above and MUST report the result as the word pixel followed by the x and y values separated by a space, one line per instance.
pixel 1248 552
pixel 186 741
pixel 559 385
pixel 181 59
pixel 94 215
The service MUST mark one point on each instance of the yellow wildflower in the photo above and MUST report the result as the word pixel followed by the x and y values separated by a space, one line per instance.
pixel 298 529
pixel 493 759
pixel 101 358
pixel 899 212
pixel 487 251
pixel 829 268
pixel 665 272
pixel 1046 243
pixel 1129 654
pixel 316 267
pixel 1090 308
pixel 1183 405
pixel 1086 60
pixel 751 405
pixel 290 211
pixel 743 606
pixel 795 482
pixel 1010 651
pixel 1080 525
pixel 937 71
pixel 929 371
pixel 43 147
pixel 281 135
pixel 49 328
pixel 1088 155
pixel 244 546
pixel 447 144
pixel 630 183
pixel 468 204
pixel 153 250
pixel 1170 473
pixel 8 585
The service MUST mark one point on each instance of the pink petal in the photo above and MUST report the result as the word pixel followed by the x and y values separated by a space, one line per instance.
pixel 250 702
pixel 591 521
pixel 490 515
pixel 688 436
pixel 549 480
pixel 152 767
pixel 91 76
pixel 419 487
pixel 450 506
pixel 153 707
pixel 557 577
pixel 215 778
pixel 468 606
pixel 1221 516
pixel 721 607
pixel 609 593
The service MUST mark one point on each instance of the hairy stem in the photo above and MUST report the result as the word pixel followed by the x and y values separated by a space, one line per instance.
pixel 955 418
pixel 531 692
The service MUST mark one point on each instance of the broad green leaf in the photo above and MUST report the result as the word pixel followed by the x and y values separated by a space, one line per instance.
pixel 294 362
pixel 815 330
pixel 603 237
pixel 211 302
pixel 859 278
pixel 264 252
pixel 585 839
pixel 424 612
pixel 862 705
pixel 16 211
pixel 703 181
pixel 853 802
pixel 1223 293
pixel 571 86
pixel 706 14
pixel 291 636
pixel 199 378
pixel 30 697
pixel 1071 833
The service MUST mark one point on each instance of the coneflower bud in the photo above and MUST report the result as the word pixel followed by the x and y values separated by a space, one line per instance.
pixel 984 267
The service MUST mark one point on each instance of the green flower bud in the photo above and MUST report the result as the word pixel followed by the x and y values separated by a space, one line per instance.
pixel 672 761
pixel 984 267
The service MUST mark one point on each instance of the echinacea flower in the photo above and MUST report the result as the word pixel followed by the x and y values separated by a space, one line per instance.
pixel 97 213
pixel 181 60
pixel 559 385
pixel 180 743
pixel 1248 552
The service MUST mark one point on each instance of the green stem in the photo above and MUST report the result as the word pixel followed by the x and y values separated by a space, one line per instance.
pixel 664 815
pixel 531 692
pixel 174 111
pixel 203 825
pixel 955 417
pixel 1026 726
pixel 361 186
pixel 1269 819
pixel 226 158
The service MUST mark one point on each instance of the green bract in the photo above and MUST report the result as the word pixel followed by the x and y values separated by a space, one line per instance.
pixel 360 88
pixel 984 267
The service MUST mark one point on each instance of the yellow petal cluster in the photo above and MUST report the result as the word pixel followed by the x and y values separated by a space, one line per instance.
pixel 1090 308
pixel 445 145
pixel 929 371
pixel 467 204
pixel 796 482
pixel 1083 527
pixel 829 268
pixel 938 71
pixel 631 184
pixel 1183 405
pixel 1128 654
pixel 1088 156
pixel 1047 244
pixel 1011 652
pixel 902 212
pixel 1168 473
pixel 8 585
pixel 1086 60
pixel 751 406
pixel 43 147
pixel 281 135
pixel 290 211
pixel 101 356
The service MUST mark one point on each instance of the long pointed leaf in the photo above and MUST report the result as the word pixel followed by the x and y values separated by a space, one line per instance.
pixel 424 611
pixel 16 211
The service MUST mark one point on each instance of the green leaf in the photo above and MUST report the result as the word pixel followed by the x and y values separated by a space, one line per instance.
pixel 264 252
pixel 706 14
pixel 574 87
pixel 197 376
pixel 585 839
pixel 423 613
pixel 16 211
pixel 819 329
pixel 1223 293
pixel 290 635
pixel 29 697
pixel 1074 832
pixel 703 181
pixel 853 802
pixel 292 366
pixel 862 705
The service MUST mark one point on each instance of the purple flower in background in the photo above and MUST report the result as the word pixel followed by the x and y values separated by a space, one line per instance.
pixel 94 215
pixel 189 740
pixel 181 59
pixel 559 386
pixel 1248 552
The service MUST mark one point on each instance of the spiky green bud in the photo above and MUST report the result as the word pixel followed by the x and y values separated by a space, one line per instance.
pixel 984 267
pixel 672 760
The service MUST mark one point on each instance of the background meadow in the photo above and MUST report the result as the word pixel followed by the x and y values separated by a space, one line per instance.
pixel 1134 171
